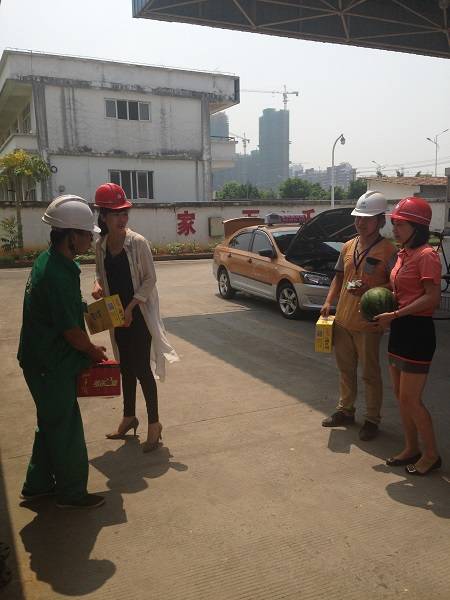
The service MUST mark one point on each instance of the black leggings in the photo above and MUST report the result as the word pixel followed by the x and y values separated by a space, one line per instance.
pixel 134 345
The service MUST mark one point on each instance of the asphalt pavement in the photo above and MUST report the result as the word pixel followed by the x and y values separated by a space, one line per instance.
pixel 249 498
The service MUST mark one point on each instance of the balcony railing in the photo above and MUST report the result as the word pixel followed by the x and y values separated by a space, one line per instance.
pixel 25 141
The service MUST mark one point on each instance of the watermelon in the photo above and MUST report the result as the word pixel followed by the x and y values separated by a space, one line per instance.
pixel 375 301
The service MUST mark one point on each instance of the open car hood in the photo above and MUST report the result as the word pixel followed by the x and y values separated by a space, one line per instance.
pixel 335 225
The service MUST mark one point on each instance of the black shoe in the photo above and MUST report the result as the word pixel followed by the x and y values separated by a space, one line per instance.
pixel 26 496
pixel 402 462
pixel 368 431
pixel 338 419
pixel 411 469
pixel 89 501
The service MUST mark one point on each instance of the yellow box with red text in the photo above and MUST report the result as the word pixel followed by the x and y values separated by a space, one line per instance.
pixel 324 334
pixel 105 314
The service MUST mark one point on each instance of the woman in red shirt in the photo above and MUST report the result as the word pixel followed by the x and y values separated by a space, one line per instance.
pixel 415 280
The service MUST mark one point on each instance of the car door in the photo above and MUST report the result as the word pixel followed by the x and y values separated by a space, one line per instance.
pixel 239 260
pixel 263 268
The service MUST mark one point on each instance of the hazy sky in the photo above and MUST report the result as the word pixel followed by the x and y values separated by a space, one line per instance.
pixel 385 103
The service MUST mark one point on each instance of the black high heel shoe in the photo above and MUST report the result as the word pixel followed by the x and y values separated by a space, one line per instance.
pixel 118 435
pixel 411 469
pixel 402 462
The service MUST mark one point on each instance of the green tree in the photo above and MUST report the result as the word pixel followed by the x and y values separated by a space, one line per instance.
pixel 317 192
pixel 295 188
pixel 233 190
pixel 357 189
pixel 267 194
pixel 15 168
pixel 339 193
pixel 400 173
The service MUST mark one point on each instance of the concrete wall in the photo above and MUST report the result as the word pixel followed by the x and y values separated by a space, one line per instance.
pixel 110 74
pixel 76 120
pixel 162 224
pixel 172 179
pixel 393 191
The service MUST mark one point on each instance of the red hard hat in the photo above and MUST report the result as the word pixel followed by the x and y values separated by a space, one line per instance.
pixel 112 196
pixel 413 209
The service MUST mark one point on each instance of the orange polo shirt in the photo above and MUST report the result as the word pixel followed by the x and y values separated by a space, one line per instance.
pixel 413 267
pixel 373 269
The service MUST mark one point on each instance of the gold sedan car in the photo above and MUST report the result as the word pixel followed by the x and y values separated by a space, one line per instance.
pixel 282 259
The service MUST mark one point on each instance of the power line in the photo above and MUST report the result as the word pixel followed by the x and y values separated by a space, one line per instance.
pixel 410 165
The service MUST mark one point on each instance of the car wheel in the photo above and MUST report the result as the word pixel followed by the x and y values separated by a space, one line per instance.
pixel 288 301
pixel 225 289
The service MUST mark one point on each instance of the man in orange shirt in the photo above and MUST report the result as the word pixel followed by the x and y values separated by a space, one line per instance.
pixel 366 259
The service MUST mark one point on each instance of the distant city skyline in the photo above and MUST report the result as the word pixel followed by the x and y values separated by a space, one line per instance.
pixel 387 104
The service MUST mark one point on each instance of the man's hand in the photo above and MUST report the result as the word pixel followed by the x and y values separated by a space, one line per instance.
pixel 97 292
pixel 79 340
pixel 97 354
pixel 325 310
pixel 358 291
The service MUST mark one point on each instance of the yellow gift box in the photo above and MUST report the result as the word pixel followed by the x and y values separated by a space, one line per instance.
pixel 324 334
pixel 105 314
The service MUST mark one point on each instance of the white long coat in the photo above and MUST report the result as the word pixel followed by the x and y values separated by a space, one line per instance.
pixel 143 276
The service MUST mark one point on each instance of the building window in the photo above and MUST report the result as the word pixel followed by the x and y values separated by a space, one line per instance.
pixel 110 107
pixel 127 110
pixel 137 185
pixel 26 119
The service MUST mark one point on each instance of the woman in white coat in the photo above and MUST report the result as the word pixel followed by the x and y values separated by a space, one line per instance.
pixel 124 266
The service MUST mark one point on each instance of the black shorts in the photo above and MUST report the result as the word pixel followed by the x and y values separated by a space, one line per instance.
pixel 412 343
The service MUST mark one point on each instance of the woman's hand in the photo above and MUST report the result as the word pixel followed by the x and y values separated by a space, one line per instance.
pixel 384 319
pixel 97 292
pixel 128 316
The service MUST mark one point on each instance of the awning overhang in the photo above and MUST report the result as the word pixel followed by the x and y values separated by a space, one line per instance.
pixel 412 26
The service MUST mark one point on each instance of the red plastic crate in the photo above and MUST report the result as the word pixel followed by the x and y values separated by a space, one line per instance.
pixel 102 379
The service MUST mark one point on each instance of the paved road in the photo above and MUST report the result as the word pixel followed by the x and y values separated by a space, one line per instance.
pixel 250 498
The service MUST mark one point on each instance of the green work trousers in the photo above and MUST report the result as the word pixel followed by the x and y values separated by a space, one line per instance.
pixel 59 460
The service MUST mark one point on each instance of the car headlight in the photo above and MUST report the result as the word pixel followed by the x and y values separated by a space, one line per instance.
pixel 315 279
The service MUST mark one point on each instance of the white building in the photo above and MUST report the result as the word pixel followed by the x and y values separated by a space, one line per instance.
pixel 146 128
pixel 396 188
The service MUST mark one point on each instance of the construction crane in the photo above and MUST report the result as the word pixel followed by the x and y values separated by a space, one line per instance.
pixel 243 139
pixel 284 93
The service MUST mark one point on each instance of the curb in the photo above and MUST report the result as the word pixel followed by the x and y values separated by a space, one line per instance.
pixel 22 264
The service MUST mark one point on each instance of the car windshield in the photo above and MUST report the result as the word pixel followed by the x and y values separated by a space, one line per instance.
pixel 283 237
pixel 335 245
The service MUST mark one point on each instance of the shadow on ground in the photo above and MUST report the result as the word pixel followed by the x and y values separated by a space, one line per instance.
pixel 12 590
pixel 128 468
pixel 279 352
pixel 60 543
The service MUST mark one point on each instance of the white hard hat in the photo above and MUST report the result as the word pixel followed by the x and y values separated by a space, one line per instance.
pixel 70 212
pixel 370 204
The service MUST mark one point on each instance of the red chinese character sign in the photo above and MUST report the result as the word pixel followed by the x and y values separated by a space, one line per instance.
pixel 308 213
pixel 250 212
pixel 185 223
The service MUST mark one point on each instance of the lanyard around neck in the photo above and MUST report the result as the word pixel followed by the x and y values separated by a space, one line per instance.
pixel 358 257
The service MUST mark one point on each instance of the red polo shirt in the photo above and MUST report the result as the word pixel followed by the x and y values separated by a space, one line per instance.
pixel 413 267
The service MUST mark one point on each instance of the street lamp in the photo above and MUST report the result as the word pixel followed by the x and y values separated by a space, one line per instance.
pixel 340 138
pixel 435 142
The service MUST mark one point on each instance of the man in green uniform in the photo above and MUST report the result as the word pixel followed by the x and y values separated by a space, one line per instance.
pixel 54 348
